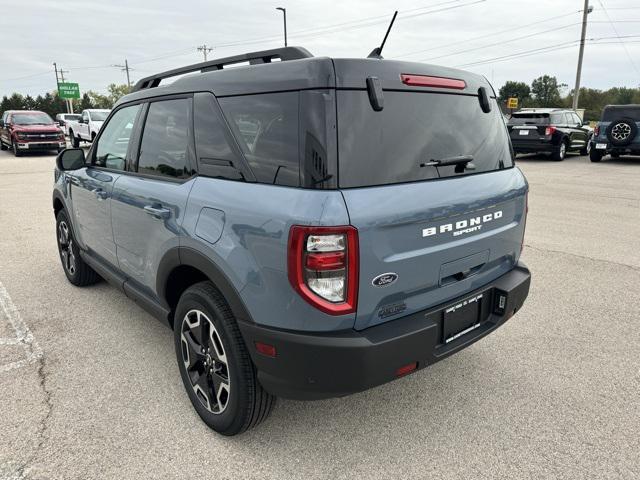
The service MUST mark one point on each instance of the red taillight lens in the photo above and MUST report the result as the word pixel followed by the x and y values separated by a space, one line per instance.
pixel 266 349
pixel 406 369
pixel 549 131
pixel 427 81
pixel 323 266
pixel 596 130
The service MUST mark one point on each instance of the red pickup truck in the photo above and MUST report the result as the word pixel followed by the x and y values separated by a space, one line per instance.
pixel 28 131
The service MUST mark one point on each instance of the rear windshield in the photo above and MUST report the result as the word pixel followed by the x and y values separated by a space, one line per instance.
pixel 611 114
pixel 529 119
pixel 393 145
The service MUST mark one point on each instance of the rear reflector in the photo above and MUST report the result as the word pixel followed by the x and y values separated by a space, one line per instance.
pixel 406 369
pixel 266 349
pixel 438 82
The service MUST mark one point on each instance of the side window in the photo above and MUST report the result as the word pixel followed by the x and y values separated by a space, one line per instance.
pixel 576 119
pixel 111 150
pixel 165 144
pixel 266 127
pixel 216 157
pixel 557 119
pixel 85 116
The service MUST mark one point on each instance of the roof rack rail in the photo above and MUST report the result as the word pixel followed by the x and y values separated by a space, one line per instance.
pixel 254 58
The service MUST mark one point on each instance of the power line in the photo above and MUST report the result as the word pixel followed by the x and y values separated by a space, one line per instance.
pixel 604 9
pixel 511 29
pixel 204 49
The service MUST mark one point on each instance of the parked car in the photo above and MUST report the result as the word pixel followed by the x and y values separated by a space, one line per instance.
pixel 28 131
pixel 309 227
pixel 87 126
pixel 549 130
pixel 617 132
pixel 63 120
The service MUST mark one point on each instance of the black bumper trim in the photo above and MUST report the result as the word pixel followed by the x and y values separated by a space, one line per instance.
pixel 312 366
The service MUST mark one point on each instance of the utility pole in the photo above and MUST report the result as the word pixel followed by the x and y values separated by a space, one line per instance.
pixel 204 49
pixel 62 72
pixel 125 68
pixel 284 13
pixel 576 93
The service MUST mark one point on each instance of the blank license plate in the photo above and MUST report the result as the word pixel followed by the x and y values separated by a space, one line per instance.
pixel 601 146
pixel 461 318
pixel 524 132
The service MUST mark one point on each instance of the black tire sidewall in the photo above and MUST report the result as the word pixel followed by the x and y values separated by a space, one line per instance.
pixel 232 419
pixel 60 217
pixel 629 139
pixel 595 155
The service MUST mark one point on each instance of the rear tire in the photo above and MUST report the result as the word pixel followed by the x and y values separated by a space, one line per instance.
pixel 215 366
pixel 587 148
pixel 595 156
pixel 560 153
pixel 77 271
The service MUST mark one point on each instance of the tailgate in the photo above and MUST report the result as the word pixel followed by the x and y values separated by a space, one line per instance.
pixel 440 238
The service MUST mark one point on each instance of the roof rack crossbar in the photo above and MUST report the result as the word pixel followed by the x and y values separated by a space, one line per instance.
pixel 254 58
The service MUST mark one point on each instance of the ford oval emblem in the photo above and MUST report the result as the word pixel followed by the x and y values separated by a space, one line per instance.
pixel 384 279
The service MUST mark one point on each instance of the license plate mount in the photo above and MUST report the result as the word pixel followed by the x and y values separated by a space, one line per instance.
pixel 461 318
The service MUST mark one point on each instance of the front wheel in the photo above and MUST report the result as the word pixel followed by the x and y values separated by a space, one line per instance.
pixel 2 146
pixel 16 151
pixel 77 271
pixel 75 141
pixel 595 155
pixel 214 363
pixel 586 150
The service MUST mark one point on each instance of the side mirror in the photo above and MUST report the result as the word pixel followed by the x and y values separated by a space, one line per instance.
pixel 70 159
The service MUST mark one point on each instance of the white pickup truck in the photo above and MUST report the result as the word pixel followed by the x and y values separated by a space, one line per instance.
pixel 87 126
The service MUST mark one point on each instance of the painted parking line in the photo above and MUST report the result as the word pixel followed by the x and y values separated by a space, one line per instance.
pixel 23 336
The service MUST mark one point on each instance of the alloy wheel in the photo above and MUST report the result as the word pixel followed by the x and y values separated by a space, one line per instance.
pixel 65 240
pixel 205 361
pixel 563 149
pixel 621 131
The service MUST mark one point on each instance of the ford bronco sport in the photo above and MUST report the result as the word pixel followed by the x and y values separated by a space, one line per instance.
pixel 617 133
pixel 309 227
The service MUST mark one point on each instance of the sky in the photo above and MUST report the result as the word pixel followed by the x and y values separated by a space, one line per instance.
pixel 501 39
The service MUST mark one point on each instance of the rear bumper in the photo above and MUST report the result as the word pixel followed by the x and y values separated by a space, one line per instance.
pixel 316 366
pixel 533 146
pixel 633 148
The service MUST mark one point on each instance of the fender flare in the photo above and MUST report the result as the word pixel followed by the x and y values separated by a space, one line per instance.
pixel 185 256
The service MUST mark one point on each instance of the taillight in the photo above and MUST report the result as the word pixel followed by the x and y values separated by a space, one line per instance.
pixel 549 131
pixel 427 81
pixel 596 130
pixel 323 267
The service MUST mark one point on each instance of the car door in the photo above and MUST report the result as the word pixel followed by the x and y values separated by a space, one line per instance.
pixel 582 133
pixel 148 205
pixel 92 187
pixel 4 131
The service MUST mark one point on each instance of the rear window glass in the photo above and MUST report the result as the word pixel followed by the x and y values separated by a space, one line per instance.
pixel 266 128
pixel 386 147
pixel 611 114
pixel 529 119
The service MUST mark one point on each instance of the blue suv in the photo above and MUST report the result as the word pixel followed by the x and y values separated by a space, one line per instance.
pixel 309 227
pixel 617 132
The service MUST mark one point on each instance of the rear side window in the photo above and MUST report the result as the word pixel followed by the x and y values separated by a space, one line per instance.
pixel 165 145
pixel 393 145
pixel 558 119
pixel 611 114
pixel 266 128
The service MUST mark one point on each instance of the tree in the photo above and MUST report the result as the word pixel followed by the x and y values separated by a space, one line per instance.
pixel 515 89
pixel 546 91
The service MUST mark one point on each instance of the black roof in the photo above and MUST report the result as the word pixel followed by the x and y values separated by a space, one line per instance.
pixel 296 69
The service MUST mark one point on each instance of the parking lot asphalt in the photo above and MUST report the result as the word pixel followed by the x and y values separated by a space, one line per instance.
pixel 89 386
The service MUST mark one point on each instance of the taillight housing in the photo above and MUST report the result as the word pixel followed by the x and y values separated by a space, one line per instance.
pixel 323 267
pixel 549 131
pixel 596 131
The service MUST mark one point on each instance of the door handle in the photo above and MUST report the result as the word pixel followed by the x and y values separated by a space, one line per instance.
pixel 100 194
pixel 157 212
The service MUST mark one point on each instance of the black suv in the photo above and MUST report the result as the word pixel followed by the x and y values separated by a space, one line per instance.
pixel 549 130
pixel 617 132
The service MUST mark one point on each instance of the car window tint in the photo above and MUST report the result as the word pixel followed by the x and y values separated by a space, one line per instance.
pixel 111 150
pixel 266 128
pixel 164 148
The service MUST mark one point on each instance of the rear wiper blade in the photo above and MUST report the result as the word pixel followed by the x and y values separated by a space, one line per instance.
pixel 462 163
pixel 444 162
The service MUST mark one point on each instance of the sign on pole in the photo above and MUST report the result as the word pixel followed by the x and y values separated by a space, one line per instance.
pixel 512 102
pixel 69 90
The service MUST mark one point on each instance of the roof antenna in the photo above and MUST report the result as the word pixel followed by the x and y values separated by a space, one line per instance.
pixel 376 52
